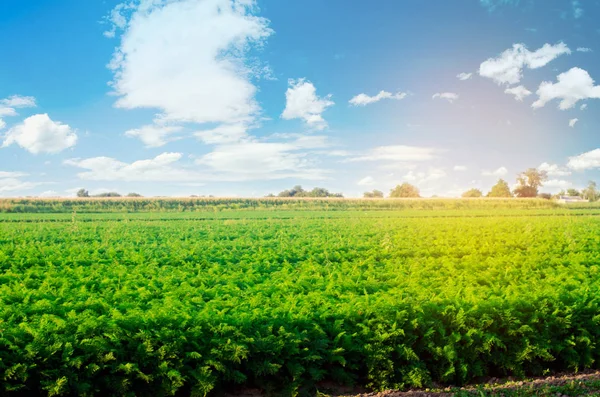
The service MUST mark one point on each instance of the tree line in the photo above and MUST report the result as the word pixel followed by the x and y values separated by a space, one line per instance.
pixel 529 183
pixel 85 193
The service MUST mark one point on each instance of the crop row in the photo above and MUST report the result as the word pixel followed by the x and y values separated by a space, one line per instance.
pixel 236 204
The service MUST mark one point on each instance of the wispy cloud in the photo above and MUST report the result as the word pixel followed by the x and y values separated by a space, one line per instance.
pixel 364 99
pixel 449 96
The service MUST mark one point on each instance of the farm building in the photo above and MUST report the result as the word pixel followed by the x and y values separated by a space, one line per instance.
pixel 571 199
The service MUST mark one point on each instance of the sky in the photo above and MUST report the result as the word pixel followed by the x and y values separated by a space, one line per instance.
pixel 251 97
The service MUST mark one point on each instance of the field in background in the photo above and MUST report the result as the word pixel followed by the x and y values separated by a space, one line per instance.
pixel 158 297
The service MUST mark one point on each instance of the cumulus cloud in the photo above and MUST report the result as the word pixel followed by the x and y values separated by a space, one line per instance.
pixel 464 76
pixel 154 135
pixel 398 153
pixel 584 106
pixel 302 102
pixel 585 161
pixel 553 169
pixel 571 87
pixel 460 168
pixel 520 92
pixel 449 96
pixel 366 181
pixel 584 49
pixel 364 99
pixel 499 172
pixel 572 122
pixel 187 59
pixel 508 67
pixel 39 134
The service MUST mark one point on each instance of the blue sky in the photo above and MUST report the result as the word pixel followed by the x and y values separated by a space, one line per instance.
pixel 246 98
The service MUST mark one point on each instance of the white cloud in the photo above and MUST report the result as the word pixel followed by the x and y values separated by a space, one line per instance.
pixel 14 184
pixel 11 174
pixel 553 169
pixel 18 101
pixel 49 193
pixel 226 133
pixel 557 183
pixel 508 67
pixel 188 59
pixel 460 168
pixel 39 134
pixel 262 160
pixel 520 92
pixel 572 86
pixel 449 96
pixel 420 178
pixel 8 105
pixel 364 99
pixel 162 168
pixel 572 122
pixel 584 49
pixel 242 161
pixel 464 76
pixel 584 106
pixel 366 181
pixel 302 102
pixel 499 172
pixel 154 135
pixel 399 153
pixel 584 161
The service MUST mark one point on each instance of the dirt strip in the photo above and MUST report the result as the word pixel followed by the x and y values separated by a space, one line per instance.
pixel 495 386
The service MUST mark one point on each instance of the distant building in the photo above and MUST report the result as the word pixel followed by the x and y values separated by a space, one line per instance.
pixel 571 199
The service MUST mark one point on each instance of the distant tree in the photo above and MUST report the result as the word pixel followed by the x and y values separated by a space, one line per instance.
pixel 293 192
pixel 83 193
pixel 573 192
pixel 472 193
pixel 546 196
pixel 373 194
pixel 591 192
pixel 404 191
pixel 529 182
pixel 297 191
pixel 500 189
pixel 134 195
pixel 108 194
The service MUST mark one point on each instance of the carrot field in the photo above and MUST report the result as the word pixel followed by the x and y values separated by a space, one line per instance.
pixel 126 297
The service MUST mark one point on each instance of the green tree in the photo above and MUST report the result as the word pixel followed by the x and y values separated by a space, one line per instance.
pixel 83 193
pixel 500 189
pixel 573 192
pixel 134 195
pixel 472 193
pixel 405 190
pixel 591 192
pixel 373 194
pixel 529 182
